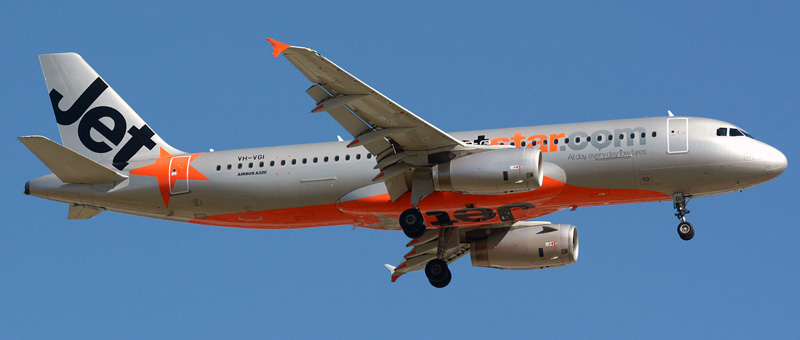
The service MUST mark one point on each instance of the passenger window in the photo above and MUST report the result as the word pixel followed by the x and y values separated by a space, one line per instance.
pixel 316 159
pixel 533 143
pixel 555 141
pixel 283 162
pixel 240 166
pixel 347 157
pixel 610 137
pixel 566 140
pixel 250 165
pixel 512 144
pixel 219 167
pixel 325 159
pixel 600 138
pixel 621 136
pixel 229 166
pixel 654 133
pixel 544 142
pixel 336 158
pixel 644 135
pixel 523 144
pixel 633 135
pixel 271 163
pixel 577 140
pixel 294 161
pixel 305 161
pixel 261 164
pixel 722 132
pixel 358 156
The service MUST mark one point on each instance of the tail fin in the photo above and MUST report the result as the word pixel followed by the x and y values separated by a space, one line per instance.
pixel 92 118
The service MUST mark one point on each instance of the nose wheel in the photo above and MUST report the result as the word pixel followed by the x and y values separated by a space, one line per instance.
pixel 685 231
pixel 679 202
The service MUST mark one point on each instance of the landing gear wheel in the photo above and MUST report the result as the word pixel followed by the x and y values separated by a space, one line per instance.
pixel 443 283
pixel 685 231
pixel 437 272
pixel 412 223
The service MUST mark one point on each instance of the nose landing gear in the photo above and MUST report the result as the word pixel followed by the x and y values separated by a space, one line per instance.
pixel 679 202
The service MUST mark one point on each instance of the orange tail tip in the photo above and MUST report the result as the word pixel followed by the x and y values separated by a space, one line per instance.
pixel 277 47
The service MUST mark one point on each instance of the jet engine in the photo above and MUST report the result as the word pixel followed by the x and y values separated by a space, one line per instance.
pixel 491 172
pixel 527 245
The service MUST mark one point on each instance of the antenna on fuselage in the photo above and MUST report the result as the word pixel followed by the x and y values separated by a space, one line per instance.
pixel 339 138
pixel 670 113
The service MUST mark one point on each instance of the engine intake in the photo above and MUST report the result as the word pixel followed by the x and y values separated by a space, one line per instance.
pixel 491 172
pixel 527 245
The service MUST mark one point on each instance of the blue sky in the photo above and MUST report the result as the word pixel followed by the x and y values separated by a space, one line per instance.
pixel 202 76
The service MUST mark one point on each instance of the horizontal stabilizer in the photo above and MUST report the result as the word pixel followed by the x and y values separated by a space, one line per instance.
pixel 83 212
pixel 67 165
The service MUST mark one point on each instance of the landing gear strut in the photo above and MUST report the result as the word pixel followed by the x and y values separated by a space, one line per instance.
pixel 436 270
pixel 411 219
pixel 679 202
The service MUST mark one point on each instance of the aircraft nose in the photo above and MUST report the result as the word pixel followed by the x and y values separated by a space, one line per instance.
pixel 775 162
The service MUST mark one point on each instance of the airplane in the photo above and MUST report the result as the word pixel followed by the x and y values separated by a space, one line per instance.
pixel 452 194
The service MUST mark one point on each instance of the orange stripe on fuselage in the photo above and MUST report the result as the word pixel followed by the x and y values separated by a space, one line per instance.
pixel 462 209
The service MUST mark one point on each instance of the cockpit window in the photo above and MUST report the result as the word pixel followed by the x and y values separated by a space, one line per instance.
pixel 734 132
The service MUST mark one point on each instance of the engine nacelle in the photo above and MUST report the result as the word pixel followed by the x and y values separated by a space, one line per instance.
pixel 492 172
pixel 527 245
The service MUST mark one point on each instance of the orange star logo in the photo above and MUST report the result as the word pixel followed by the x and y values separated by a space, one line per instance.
pixel 169 169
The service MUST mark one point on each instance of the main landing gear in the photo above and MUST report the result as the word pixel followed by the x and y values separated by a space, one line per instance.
pixel 436 270
pixel 414 227
pixel 412 223
pixel 679 202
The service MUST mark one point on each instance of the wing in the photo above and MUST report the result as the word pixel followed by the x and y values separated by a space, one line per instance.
pixel 456 242
pixel 398 138
pixel 425 249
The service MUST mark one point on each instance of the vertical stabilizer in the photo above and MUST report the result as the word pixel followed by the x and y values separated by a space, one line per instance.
pixel 92 118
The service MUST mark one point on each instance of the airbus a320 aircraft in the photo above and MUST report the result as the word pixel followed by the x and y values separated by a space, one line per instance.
pixel 451 193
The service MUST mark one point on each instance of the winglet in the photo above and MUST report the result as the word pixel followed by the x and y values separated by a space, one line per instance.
pixel 277 47
pixel 390 267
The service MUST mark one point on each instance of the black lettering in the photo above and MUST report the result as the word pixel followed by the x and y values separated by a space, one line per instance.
pixel 505 211
pixel 92 121
pixel 474 214
pixel 480 138
pixel 139 138
pixel 80 105
pixel 442 218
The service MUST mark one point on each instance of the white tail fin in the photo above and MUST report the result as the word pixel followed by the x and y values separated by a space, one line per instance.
pixel 92 118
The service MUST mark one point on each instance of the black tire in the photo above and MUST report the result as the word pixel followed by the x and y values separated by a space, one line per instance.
pixel 436 270
pixel 685 231
pixel 412 223
pixel 444 283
